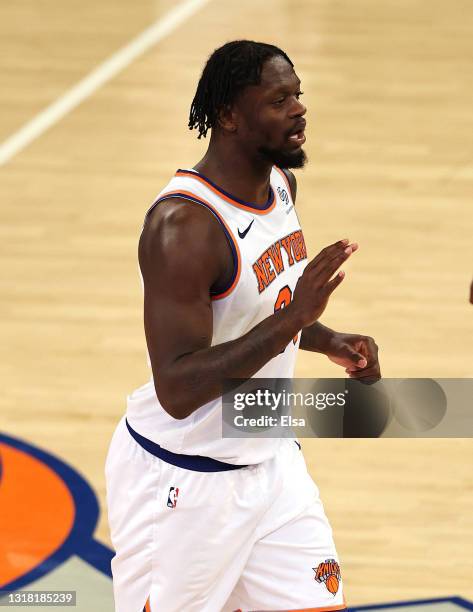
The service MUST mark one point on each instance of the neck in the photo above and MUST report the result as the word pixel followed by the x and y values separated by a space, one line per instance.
pixel 244 176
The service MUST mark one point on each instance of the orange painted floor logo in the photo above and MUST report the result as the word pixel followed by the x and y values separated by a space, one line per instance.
pixel 328 572
pixel 48 514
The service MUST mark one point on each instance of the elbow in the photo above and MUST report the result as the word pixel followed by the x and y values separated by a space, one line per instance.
pixel 171 399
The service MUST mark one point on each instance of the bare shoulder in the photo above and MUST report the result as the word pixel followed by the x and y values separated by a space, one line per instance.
pixel 179 235
pixel 176 219
pixel 292 183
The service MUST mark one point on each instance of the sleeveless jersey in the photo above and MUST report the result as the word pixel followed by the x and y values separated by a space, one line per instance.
pixel 269 255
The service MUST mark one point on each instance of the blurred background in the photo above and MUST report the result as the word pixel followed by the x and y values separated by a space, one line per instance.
pixel 389 90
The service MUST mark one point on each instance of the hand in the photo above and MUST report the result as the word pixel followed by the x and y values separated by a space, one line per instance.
pixel 316 284
pixel 357 354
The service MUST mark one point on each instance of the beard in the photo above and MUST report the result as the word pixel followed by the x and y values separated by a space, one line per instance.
pixel 284 159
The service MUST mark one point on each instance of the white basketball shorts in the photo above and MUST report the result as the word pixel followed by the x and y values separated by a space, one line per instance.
pixel 254 538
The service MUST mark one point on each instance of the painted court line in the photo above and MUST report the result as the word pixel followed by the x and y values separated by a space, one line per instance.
pixel 98 77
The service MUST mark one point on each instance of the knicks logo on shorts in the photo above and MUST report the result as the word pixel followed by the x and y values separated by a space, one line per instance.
pixel 329 572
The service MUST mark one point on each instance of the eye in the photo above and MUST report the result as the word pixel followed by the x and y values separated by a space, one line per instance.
pixel 279 101
pixel 299 94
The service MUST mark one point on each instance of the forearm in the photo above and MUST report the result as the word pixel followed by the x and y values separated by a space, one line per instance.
pixel 194 379
pixel 316 338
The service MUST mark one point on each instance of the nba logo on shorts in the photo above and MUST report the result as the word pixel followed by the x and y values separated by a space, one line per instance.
pixel 172 497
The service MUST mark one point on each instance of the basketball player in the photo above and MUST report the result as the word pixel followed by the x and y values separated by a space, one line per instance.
pixel 200 523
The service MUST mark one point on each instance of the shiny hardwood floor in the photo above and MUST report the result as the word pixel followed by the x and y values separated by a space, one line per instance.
pixel 389 87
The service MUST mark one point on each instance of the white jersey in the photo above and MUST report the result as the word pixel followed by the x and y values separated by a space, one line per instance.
pixel 269 256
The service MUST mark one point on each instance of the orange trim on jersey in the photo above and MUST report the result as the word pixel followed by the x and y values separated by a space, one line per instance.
pixel 324 609
pixel 193 197
pixel 286 180
pixel 227 198
pixel 341 606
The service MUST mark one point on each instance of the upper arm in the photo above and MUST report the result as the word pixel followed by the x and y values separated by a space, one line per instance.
pixel 292 183
pixel 182 253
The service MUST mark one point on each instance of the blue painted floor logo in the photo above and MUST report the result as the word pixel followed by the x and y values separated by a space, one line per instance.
pixel 49 514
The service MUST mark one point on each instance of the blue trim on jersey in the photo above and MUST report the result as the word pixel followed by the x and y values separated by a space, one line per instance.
pixel 196 463
pixel 219 291
pixel 269 201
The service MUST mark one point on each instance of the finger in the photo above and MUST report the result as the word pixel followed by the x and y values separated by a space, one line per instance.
pixel 329 251
pixel 341 250
pixel 357 368
pixel 339 253
pixel 371 365
pixel 372 370
pixel 328 266
pixel 366 372
pixel 367 380
pixel 359 361
pixel 333 284
pixel 320 274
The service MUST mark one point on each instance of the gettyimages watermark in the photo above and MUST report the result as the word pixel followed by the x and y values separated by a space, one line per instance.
pixel 347 408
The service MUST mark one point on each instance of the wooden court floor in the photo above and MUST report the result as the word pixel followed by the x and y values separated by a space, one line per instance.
pixel 389 88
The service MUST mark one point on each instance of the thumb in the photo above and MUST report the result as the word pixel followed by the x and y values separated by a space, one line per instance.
pixel 357 358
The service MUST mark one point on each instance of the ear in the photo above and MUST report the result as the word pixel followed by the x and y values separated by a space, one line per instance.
pixel 227 119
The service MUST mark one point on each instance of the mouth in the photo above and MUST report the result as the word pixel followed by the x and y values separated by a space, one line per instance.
pixel 297 135
pixel 298 138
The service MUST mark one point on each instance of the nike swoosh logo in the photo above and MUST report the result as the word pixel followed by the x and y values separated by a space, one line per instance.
pixel 243 234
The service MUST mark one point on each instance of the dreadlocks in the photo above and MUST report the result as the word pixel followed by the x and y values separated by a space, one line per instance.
pixel 228 71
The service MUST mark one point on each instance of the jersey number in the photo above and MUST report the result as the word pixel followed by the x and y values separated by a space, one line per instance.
pixel 284 299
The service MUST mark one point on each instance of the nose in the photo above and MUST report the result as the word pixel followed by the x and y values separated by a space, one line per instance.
pixel 298 109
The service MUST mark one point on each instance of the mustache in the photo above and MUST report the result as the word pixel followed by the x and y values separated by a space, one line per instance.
pixel 300 125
